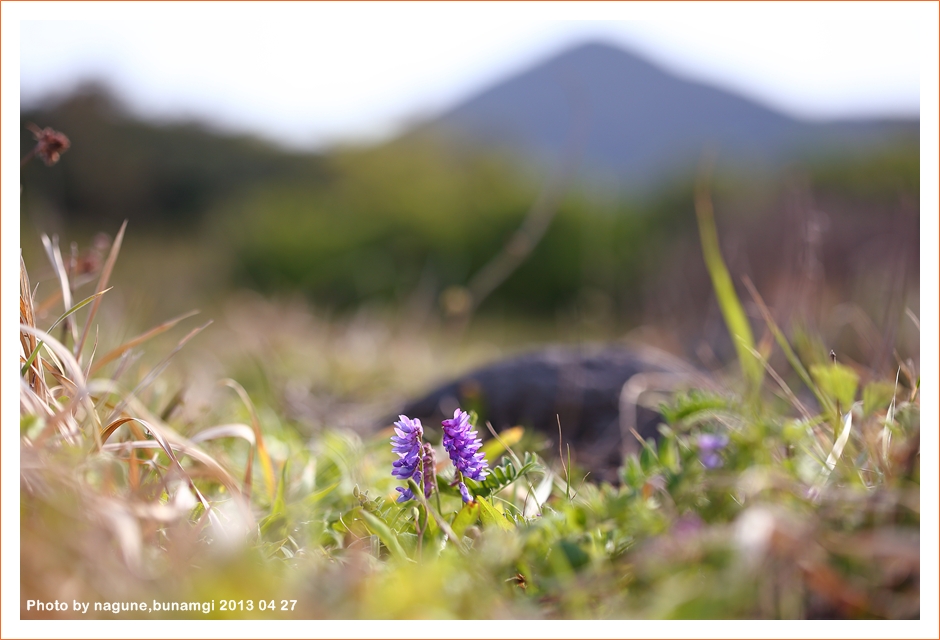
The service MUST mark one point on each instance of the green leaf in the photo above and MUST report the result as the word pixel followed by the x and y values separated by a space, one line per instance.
pixel 649 457
pixel 385 534
pixel 575 555
pixel 280 504
pixel 689 405
pixel 314 498
pixel 466 517
pixel 877 395
pixel 274 525
pixel 502 475
pixel 837 381
pixel 669 455
pixel 633 475
pixel 490 516
pixel 432 527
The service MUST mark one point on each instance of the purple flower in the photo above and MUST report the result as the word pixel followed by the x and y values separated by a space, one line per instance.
pixel 708 446
pixel 464 492
pixel 462 445
pixel 407 444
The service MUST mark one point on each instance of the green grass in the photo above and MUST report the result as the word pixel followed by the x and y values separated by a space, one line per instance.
pixel 127 495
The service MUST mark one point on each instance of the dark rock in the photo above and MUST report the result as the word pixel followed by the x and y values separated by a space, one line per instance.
pixel 583 388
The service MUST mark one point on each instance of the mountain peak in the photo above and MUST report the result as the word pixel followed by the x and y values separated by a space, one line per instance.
pixel 625 118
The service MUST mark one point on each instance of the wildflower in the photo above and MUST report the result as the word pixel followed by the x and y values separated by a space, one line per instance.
pixel 708 446
pixel 50 144
pixel 462 445
pixel 407 444
pixel 464 492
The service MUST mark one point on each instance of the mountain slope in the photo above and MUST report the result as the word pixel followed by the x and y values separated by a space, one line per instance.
pixel 627 119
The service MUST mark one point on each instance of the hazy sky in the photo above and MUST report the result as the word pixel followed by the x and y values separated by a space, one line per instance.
pixel 310 74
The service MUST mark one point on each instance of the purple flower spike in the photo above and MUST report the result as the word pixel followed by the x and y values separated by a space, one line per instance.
pixel 407 444
pixel 462 445
pixel 708 446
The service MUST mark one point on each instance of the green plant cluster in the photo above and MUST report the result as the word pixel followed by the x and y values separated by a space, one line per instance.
pixel 810 513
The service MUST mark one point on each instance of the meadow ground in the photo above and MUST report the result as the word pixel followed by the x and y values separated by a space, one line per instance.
pixel 223 471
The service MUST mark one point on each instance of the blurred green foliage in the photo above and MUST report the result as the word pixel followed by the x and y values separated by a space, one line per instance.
pixel 382 219
pixel 158 176
pixel 405 220
pixel 397 217
pixel 878 176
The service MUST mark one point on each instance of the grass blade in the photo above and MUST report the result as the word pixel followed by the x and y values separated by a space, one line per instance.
pixel 71 371
pixel 791 397
pixel 170 441
pixel 157 370
pixel 242 431
pixel 731 309
pixel 102 285
pixel 28 341
pixel 493 448
pixel 274 525
pixel 72 310
pixel 55 257
pixel 839 445
pixel 787 349
pixel 117 352
pixel 266 466
pixel 889 419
